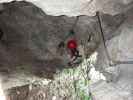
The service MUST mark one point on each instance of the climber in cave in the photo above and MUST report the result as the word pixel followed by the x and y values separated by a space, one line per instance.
pixel 71 46
pixel 74 53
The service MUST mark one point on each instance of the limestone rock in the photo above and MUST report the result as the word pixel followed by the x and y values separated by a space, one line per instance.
pixel 83 7
pixel 120 50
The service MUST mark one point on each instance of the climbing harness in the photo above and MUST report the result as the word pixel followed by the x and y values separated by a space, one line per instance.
pixel 111 62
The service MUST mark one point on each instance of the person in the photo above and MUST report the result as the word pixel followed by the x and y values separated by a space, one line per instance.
pixel 72 47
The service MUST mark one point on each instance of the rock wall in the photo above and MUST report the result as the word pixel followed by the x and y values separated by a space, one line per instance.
pixel 30 42
pixel 119 76
pixel 29 46
pixel 82 7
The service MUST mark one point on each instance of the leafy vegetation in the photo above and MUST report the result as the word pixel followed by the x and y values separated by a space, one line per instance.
pixel 72 84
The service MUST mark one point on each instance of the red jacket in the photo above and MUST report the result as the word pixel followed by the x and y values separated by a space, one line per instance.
pixel 72 44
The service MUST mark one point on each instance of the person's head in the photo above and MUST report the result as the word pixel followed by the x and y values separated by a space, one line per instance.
pixel 72 32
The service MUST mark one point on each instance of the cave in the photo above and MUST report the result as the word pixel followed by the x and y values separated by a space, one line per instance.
pixel 66 50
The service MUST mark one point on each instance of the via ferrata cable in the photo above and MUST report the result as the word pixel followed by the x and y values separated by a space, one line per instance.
pixel 111 62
